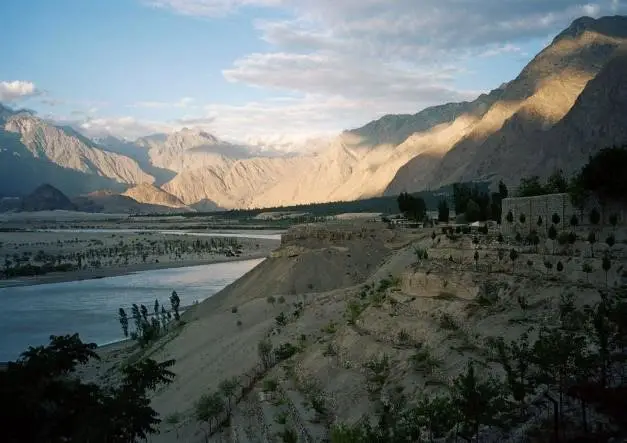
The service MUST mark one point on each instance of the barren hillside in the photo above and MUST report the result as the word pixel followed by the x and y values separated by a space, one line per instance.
pixel 349 296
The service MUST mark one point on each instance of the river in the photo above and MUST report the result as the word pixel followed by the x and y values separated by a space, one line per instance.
pixel 30 314
pixel 273 235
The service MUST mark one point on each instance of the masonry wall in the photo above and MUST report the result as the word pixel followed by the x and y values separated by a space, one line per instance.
pixel 546 205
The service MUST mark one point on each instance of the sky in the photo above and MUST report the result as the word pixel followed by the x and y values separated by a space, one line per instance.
pixel 264 69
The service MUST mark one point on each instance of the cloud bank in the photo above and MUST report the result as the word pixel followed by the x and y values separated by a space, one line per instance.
pixel 333 65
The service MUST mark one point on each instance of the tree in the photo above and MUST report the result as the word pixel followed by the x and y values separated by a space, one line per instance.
pixel 175 302
pixel 556 183
pixel 443 211
pixel 476 400
pixel 610 240
pixel 574 221
pixel 555 218
pixel 123 321
pixel 509 217
pixel 156 308
pixel 144 311
pixel 270 299
pixel 501 254
pixel 587 269
pixel 136 318
pixel 50 404
pixel 516 359
pixel 595 216
pixel 208 409
pixel 614 221
pixel 559 267
pixel 228 388
pixel 553 236
pixel 264 349
pixel 473 211
pixel 556 357
pixel 463 194
pixel 513 256
pixel 502 190
pixel 412 207
pixel 592 238
pixel 548 265
pixel 476 257
pixel 164 318
pixel 606 265
pixel 604 174
pixel 539 222
pixel 530 186
pixel 438 414
pixel 522 219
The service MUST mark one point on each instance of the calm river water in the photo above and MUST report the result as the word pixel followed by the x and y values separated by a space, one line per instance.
pixel 30 314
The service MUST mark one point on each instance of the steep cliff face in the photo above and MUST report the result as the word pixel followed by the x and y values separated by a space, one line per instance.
pixel 507 141
pixel 597 119
pixel 70 150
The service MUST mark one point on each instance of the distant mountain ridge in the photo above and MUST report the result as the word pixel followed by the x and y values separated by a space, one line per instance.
pixel 568 102
pixel 47 198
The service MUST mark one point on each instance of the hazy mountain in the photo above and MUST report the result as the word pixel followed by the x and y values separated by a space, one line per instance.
pixel 33 152
pixel 568 102
pixel 147 193
pixel 66 148
pixel 21 172
pixel 47 198
pixel 190 149
pixel 138 153
pixel 113 203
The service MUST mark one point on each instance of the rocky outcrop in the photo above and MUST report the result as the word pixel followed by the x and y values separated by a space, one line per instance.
pixel 147 193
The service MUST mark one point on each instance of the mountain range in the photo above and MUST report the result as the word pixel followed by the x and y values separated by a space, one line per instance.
pixel 566 104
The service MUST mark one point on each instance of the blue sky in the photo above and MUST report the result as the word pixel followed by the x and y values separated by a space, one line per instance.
pixel 263 68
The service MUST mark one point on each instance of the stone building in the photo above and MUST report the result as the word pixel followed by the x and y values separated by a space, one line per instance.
pixel 546 205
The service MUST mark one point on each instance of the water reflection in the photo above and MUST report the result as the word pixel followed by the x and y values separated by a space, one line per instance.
pixel 30 314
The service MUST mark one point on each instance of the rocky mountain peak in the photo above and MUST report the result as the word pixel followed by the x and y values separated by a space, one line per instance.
pixel 610 26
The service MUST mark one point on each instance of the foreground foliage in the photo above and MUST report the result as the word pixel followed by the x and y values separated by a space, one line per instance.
pixel 44 401
pixel 574 365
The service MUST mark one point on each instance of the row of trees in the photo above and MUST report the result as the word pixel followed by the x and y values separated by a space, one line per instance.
pixel 479 205
pixel 601 177
pixel 148 329
pixel 97 255
pixel 412 207
pixel 578 362
pixel 44 401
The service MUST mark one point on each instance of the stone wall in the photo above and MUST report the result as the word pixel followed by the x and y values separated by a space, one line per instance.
pixel 546 205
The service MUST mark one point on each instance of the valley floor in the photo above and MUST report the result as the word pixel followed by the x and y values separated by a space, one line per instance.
pixel 349 298
pixel 92 255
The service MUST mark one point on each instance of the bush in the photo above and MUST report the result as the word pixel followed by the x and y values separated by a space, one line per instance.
pixel 563 238
pixel 285 351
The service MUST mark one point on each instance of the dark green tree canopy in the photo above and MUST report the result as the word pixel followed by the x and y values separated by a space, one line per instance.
pixel 48 403
pixel 605 174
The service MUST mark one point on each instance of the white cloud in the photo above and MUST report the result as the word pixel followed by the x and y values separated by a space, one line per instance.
pixel 185 102
pixel 126 126
pixel 345 62
pixel 500 49
pixel 17 89
pixel 207 8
